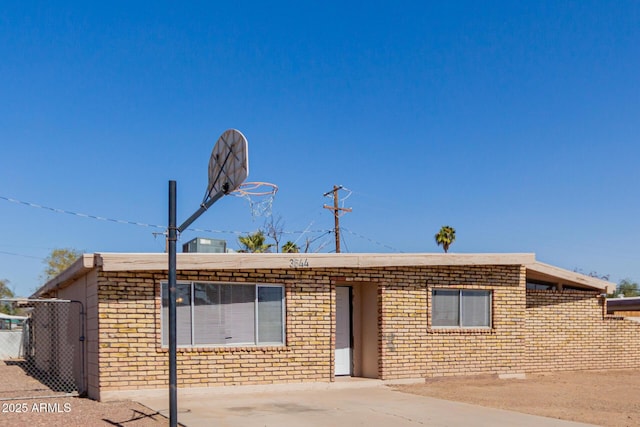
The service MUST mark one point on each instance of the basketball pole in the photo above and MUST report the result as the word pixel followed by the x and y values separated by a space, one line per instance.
pixel 173 371
pixel 172 239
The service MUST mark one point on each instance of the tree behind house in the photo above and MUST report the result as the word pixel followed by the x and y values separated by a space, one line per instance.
pixel 290 248
pixel 6 292
pixel 254 243
pixel 59 260
pixel 274 227
pixel 628 288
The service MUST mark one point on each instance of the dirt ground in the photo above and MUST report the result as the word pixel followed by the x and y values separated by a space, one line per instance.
pixel 25 401
pixel 77 412
pixel 606 398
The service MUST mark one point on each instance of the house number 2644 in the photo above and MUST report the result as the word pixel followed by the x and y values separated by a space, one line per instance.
pixel 298 262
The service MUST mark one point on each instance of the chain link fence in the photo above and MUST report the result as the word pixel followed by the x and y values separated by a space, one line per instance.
pixel 41 348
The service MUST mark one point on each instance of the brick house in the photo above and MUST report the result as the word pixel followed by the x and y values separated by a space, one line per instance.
pixel 624 306
pixel 248 319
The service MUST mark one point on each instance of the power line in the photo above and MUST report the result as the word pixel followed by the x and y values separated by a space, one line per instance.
pixel 349 193
pixel 323 232
pixel 21 255
pixel 135 223
pixel 372 241
pixel 346 247
pixel 79 214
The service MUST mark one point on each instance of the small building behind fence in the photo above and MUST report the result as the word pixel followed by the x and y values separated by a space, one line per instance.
pixel 11 336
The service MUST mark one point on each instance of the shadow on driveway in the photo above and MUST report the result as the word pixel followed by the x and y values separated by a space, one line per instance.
pixel 336 405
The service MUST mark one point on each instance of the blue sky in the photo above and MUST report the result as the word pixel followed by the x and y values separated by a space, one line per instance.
pixel 516 123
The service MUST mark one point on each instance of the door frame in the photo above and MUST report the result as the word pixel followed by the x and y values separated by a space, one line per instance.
pixel 350 316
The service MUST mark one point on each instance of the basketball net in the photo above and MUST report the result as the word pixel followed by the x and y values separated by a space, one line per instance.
pixel 260 196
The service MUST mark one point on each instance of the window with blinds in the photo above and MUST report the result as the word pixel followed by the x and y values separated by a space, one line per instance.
pixel 219 314
pixel 461 308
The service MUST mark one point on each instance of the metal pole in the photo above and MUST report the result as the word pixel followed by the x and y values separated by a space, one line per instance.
pixel 203 207
pixel 173 372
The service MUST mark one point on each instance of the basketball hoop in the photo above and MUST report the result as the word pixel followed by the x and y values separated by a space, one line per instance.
pixel 228 168
pixel 260 196
pixel 228 164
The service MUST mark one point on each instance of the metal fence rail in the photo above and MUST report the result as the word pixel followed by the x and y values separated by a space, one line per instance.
pixel 41 348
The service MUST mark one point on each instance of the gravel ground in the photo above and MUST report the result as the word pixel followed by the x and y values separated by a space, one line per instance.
pixel 77 412
pixel 605 398
pixel 25 401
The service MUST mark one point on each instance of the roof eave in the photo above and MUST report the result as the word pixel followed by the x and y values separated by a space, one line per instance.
pixel 554 274
pixel 239 261
pixel 81 266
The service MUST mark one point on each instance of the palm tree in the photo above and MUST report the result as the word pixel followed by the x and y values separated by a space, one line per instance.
pixel 445 237
pixel 290 248
pixel 254 243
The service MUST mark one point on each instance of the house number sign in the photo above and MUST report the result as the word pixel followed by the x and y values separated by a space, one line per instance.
pixel 298 262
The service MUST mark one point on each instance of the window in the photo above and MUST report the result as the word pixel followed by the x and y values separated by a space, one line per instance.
pixel 539 285
pixel 218 314
pixel 453 308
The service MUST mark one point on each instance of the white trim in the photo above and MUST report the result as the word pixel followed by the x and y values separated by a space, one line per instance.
pixel 550 273
pixel 241 261
pixel 343 357
pixel 80 267
pixel 10 317
pixel 460 308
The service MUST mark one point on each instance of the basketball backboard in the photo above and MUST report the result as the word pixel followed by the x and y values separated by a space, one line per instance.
pixel 228 168
pixel 229 163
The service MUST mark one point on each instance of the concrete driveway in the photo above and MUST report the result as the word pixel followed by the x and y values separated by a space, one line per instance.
pixel 337 404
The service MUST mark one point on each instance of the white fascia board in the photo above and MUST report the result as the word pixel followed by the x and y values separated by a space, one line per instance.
pixel 550 272
pixel 81 266
pixel 241 261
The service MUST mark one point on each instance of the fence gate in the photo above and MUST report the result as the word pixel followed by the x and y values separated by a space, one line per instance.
pixel 41 348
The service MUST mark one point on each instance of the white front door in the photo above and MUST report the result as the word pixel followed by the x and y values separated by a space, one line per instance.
pixel 343 331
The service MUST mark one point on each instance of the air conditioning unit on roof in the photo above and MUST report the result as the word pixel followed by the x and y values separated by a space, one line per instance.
pixel 202 245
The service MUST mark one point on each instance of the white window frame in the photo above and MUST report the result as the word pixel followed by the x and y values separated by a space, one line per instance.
pixel 255 343
pixel 461 308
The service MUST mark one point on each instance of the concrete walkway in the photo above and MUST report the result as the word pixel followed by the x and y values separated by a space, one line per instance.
pixel 372 405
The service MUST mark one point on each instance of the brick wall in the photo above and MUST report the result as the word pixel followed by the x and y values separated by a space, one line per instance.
pixel 497 350
pixel 131 356
pixel 531 330
pixel 410 348
pixel 568 330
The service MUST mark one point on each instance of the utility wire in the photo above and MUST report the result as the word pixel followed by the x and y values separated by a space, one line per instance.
pixel 346 247
pixel 79 214
pixel 21 255
pixel 349 193
pixel 375 242
pixel 136 223
pixel 163 227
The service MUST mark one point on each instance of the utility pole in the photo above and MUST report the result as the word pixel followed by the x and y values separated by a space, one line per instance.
pixel 336 213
